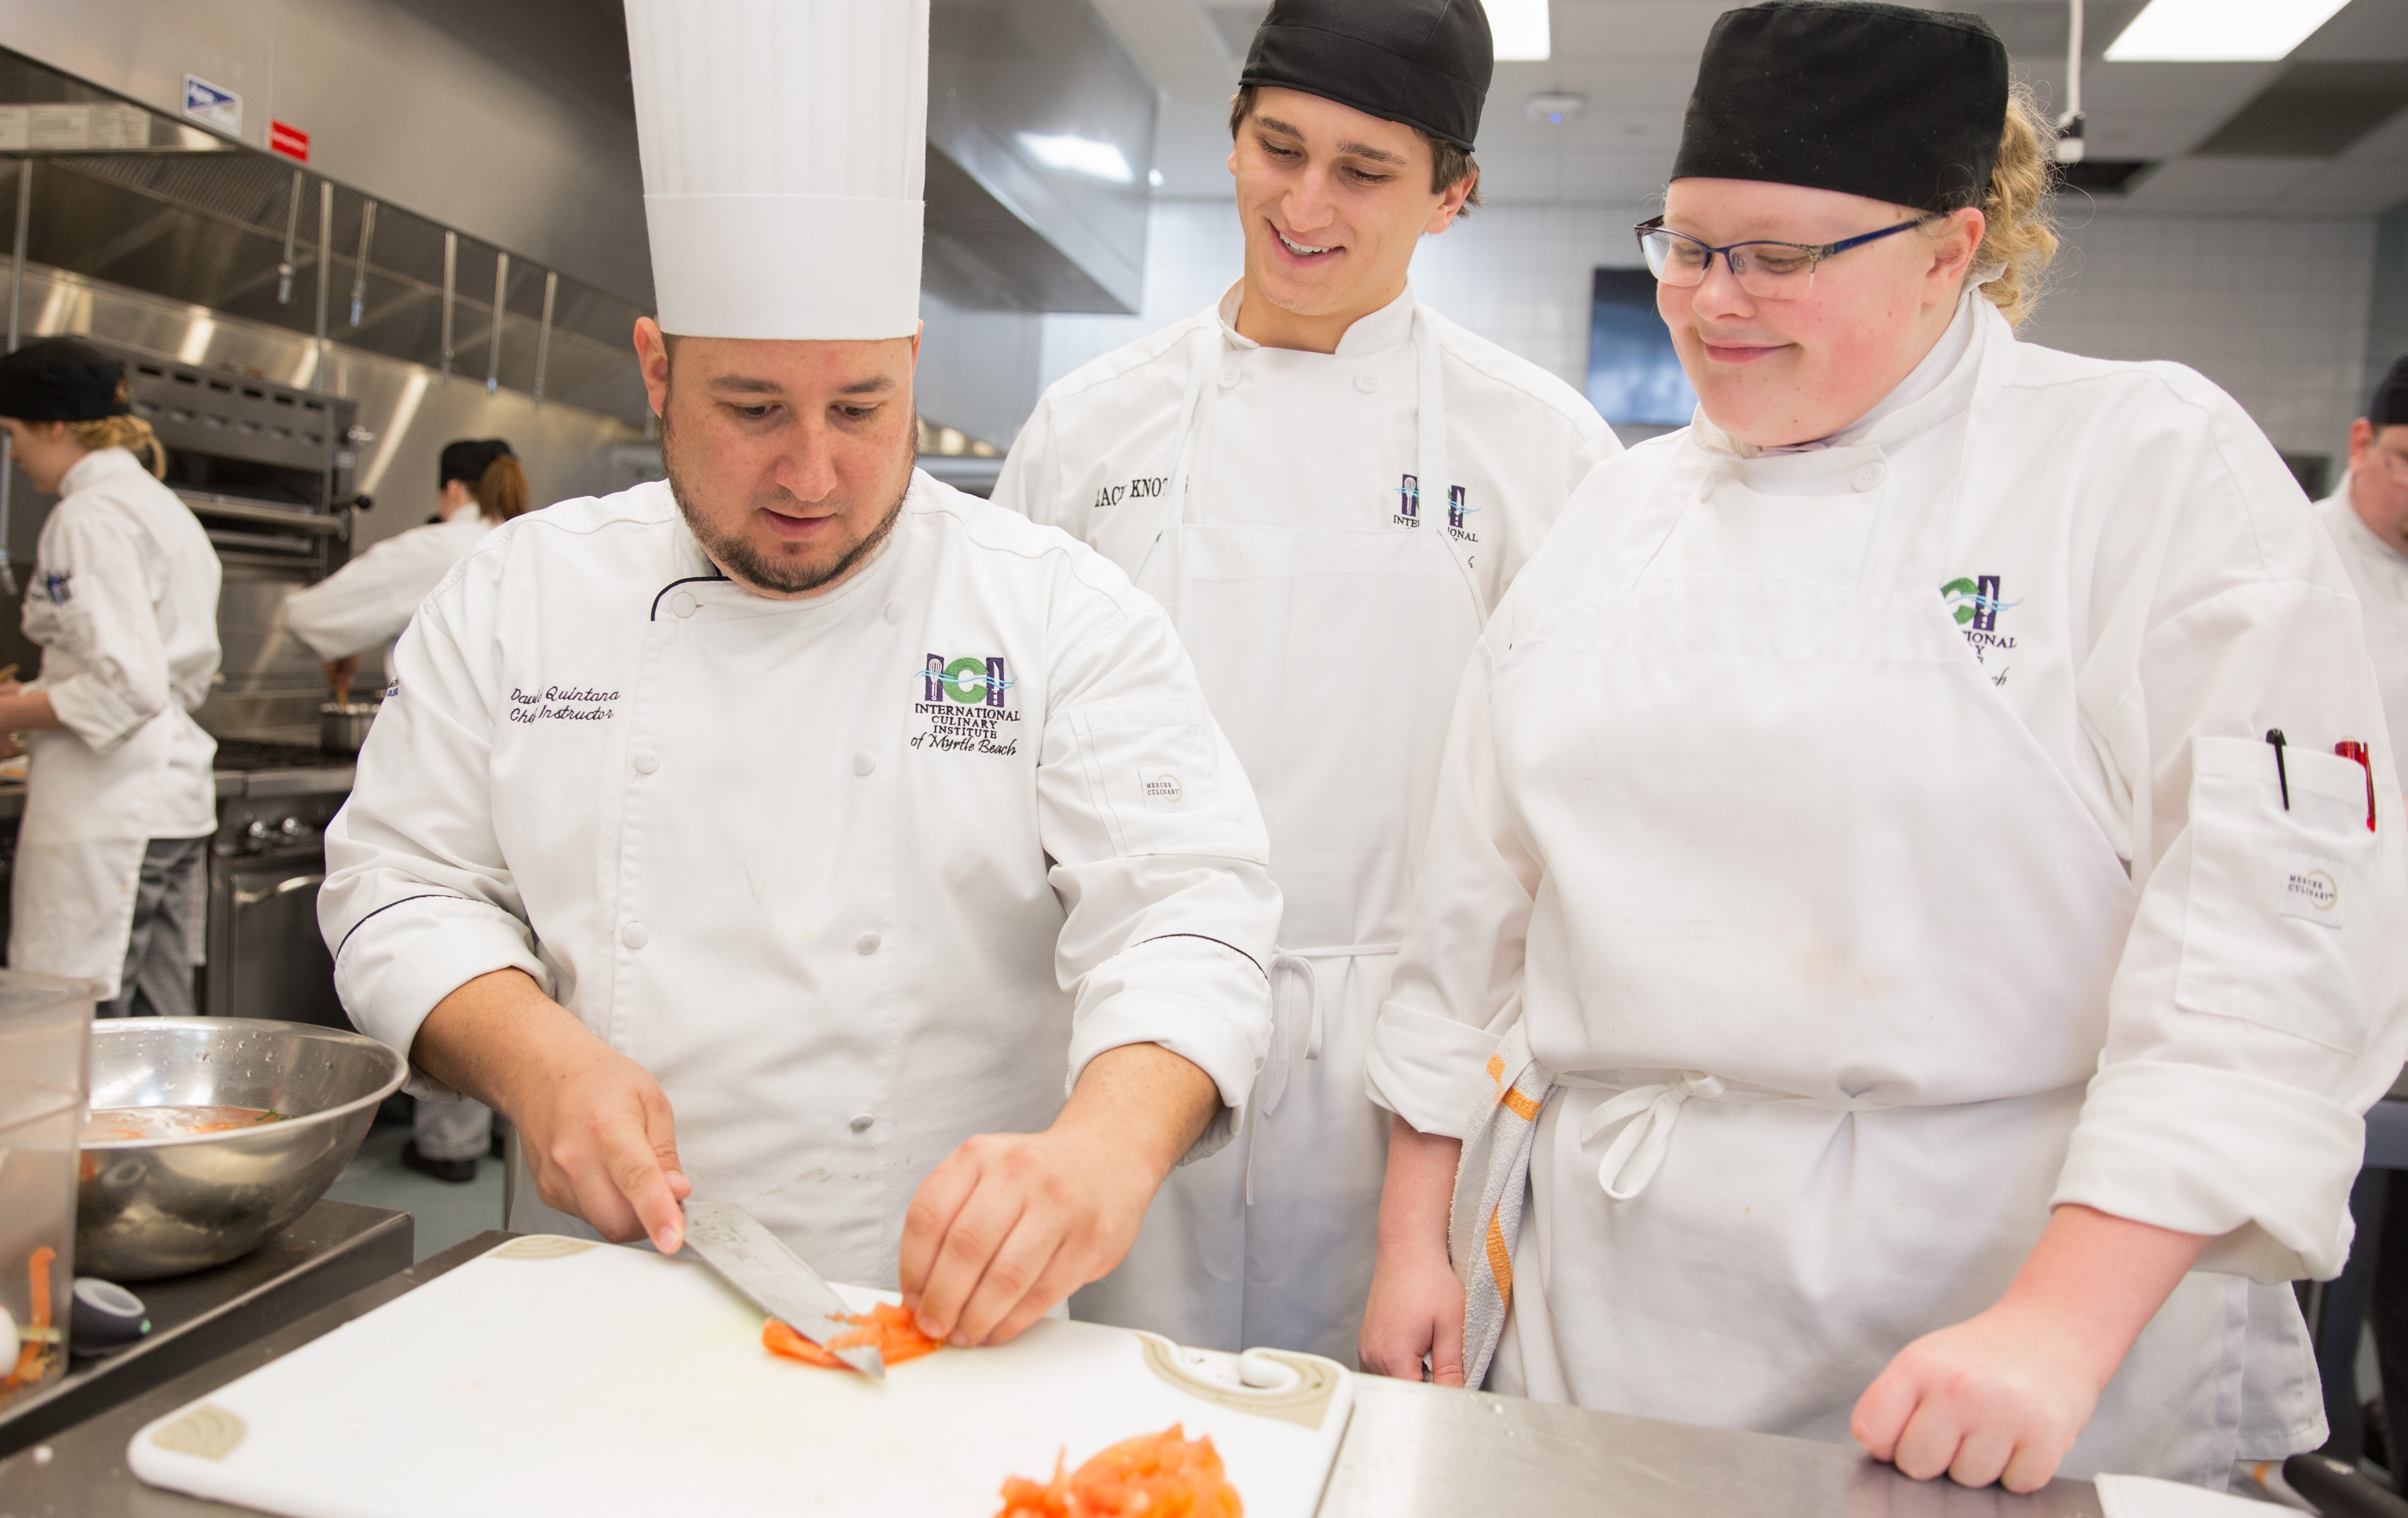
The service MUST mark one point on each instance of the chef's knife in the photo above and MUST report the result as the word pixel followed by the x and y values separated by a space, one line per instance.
pixel 757 1263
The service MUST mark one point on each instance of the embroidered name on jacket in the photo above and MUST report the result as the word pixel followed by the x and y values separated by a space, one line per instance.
pixel 563 704
pixel 966 706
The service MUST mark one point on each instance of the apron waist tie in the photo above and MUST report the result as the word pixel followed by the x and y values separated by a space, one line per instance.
pixel 1649 1113
pixel 1270 1089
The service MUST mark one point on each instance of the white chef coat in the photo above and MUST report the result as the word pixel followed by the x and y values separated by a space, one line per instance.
pixel 124 603
pixel 1329 618
pixel 1873 1132
pixel 855 877
pixel 370 600
pixel 2379 573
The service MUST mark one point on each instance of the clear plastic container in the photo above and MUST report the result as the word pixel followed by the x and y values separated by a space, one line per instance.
pixel 45 1069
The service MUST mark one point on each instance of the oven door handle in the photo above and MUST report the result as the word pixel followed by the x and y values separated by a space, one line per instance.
pixel 297 882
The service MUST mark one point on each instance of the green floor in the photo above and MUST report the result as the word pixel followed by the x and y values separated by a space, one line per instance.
pixel 446 1213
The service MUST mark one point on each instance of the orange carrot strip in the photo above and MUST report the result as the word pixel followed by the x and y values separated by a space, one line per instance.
pixel 887 1326
pixel 39 1268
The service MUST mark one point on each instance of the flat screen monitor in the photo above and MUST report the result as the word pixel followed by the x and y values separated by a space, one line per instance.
pixel 1634 377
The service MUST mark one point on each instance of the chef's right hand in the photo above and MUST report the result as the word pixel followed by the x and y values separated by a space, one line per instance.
pixel 601 1144
pixel 341 673
pixel 1416 1306
pixel 594 1127
pixel 1416 1310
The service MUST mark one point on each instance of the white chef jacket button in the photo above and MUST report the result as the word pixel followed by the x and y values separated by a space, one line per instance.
pixel 1868 476
pixel 1367 381
pixel 893 611
pixel 1229 379
pixel 647 761
pixel 633 935
pixel 682 604
pixel 863 763
pixel 861 1121
pixel 866 944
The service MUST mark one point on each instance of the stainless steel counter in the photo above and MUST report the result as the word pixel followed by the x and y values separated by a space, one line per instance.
pixel 1411 1451
pixel 326 1254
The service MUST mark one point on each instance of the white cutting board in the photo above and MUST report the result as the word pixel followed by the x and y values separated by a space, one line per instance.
pixel 553 1375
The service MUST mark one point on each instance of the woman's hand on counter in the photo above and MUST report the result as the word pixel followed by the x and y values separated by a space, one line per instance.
pixel 1416 1304
pixel 2003 1396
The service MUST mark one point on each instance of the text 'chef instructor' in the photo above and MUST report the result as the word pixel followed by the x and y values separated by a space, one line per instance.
pixel 775 831
pixel 1329 484
pixel 1899 897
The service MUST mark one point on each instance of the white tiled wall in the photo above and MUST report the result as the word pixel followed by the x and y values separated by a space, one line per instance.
pixel 2275 311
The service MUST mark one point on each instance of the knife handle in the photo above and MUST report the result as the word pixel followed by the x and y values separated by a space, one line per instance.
pixel 2338 1490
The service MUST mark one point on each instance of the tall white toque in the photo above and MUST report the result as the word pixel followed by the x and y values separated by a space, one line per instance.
pixel 784 146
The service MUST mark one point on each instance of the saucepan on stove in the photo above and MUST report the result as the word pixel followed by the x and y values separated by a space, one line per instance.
pixel 343 726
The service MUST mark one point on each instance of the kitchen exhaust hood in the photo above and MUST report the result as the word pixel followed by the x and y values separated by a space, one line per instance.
pixel 1041 138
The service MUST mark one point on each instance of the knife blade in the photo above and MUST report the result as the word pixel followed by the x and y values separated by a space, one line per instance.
pixel 758 1263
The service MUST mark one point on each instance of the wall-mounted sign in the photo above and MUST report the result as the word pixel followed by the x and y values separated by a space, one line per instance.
pixel 210 106
pixel 290 140
pixel 79 128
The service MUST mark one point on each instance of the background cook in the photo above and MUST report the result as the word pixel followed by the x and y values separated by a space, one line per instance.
pixel 368 601
pixel 1933 1010
pixel 800 794
pixel 1329 483
pixel 364 605
pixel 2368 517
pixel 108 882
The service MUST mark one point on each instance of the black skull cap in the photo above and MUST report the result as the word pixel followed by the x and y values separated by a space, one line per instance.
pixel 61 379
pixel 1425 62
pixel 1887 101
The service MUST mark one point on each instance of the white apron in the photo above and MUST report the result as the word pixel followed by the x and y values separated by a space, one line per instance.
pixel 1855 978
pixel 79 847
pixel 1270 1241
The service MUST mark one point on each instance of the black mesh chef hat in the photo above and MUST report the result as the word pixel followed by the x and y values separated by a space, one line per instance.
pixel 61 379
pixel 467 459
pixel 1425 62
pixel 1883 101
pixel 2389 407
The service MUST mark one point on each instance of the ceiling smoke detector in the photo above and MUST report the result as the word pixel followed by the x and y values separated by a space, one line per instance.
pixel 1554 110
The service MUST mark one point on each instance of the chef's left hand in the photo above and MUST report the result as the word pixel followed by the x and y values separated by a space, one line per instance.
pixel 2003 1396
pixel 1013 1223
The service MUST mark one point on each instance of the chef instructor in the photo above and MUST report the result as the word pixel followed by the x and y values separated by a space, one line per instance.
pixel 1328 484
pixel 796 831
pixel 1895 910
pixel 109 879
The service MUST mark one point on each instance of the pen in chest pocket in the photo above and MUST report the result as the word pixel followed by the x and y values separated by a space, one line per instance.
pixel 2357 752
pixel 2274 737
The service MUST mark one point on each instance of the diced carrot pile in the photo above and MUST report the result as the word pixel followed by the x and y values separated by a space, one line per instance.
pixel 33 1358
pixel 889 1329
pixel 1164 1475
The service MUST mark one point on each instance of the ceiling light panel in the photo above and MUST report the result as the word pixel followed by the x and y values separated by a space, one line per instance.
pixel 2217 31
pixel 1519 28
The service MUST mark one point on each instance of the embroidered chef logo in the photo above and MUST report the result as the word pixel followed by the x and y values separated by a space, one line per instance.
pixel 1459 508
pixel 2309 888
pixel 966 706
pixel 561 704
pixel 1162 793
pixel 1975 602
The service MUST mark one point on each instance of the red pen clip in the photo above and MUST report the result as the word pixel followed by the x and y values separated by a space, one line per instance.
pixel 2351 749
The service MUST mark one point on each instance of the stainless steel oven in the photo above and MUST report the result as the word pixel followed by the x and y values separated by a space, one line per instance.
pixel 267 957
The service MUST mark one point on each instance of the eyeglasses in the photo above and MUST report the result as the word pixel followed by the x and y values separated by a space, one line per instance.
pixel 2393 464
pixel 1772 270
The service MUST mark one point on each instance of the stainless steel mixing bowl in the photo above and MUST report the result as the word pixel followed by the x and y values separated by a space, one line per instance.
pixel 147 1208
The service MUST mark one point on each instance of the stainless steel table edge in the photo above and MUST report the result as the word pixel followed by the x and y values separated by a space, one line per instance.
pixel 323 1256
pixel 81 1474
pixel 1408 1451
